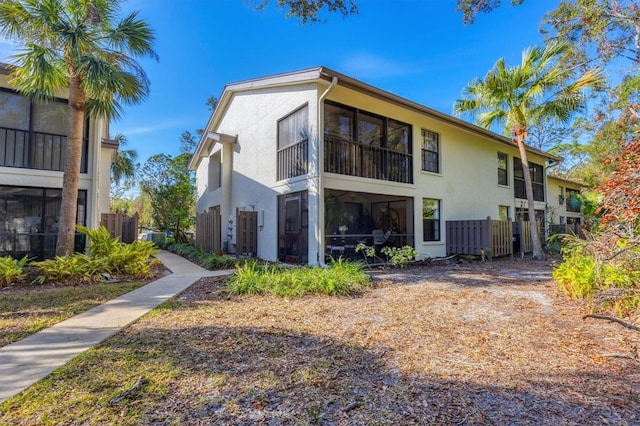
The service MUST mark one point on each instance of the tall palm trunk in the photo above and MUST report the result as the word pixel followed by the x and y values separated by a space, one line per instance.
pixel 528 185
pixel 71 177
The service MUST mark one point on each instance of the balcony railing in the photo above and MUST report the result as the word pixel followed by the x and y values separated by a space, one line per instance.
pixel 351 158
pixel 293 160
pixel 35 150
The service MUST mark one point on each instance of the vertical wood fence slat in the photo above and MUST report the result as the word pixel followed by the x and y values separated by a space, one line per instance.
pixel 473 237
pixel 120 225
pixel 208 232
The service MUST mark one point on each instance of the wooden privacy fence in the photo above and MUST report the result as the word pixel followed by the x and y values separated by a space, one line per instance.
pixel 120 225
pixel 208 231
pixel 494 238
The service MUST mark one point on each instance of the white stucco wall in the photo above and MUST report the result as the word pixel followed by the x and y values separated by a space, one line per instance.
pixel 253 116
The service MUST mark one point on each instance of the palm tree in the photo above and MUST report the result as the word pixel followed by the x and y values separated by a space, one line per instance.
pixel 79 46
pixel 125 162
pixel 519 96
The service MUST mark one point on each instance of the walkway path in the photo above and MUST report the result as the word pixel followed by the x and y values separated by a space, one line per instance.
pixel 29 360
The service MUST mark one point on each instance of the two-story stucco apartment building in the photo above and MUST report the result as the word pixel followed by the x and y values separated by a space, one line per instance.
pixel 32 144
pixel 327 161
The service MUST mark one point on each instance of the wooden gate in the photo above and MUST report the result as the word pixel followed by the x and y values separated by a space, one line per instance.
pixel 247 233
pixel 208 231
pixel 120 225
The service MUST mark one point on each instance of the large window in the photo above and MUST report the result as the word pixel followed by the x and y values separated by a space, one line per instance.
pixel 293 144
pixel 430 151
pixel 503 177
pixel 360 143
pixel 29 220
pixel 34 134
pixel 431 219
pixel 537 178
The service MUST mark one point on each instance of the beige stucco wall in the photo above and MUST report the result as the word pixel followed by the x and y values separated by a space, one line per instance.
pixel 467 184
pixel 558 212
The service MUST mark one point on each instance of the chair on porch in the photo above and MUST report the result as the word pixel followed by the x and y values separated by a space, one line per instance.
pixel 380 238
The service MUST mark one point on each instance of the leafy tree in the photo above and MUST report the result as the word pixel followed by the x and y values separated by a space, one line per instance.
pixel 470 8
pixel 188 142
pixel 171 189
pixel 309 10
pixel 79 46
pixel 518 96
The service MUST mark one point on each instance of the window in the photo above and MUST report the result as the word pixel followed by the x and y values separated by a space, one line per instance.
pixel 503 212
pixel 573 201
pixel 215 171
pixel 537 179
pixel 293 144
pixel 360 143
pixel 431 219
pixel 430 151
pixel 503 177
pixel 34 134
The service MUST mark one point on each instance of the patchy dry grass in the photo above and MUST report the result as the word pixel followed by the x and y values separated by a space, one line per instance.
pixel 27 310
pixel 491 343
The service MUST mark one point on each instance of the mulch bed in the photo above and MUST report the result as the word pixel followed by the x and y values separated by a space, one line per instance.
pixel 447 343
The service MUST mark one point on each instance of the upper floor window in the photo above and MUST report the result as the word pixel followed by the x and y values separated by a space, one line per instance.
pixel 34 134
pixel 537 179
pixel 364 144
pixel 293 144
pixel 430 151
pixel 503 177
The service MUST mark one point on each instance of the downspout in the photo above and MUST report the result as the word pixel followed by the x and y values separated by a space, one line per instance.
pixel 320 170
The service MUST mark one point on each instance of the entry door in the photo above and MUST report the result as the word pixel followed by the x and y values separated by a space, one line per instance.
pixel 292 245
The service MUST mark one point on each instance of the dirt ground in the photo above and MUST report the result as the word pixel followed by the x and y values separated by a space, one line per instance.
pixel 448 343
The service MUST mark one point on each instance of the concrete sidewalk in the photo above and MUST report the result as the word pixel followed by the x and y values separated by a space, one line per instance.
pixel 29 360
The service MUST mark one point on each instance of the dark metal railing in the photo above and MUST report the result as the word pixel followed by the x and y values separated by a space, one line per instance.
pixel 35 150
pixel 351 158
pixel 293 160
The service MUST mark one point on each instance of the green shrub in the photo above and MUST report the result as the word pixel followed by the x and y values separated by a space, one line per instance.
pixel 117 257
pixel 213 261
pixel 74 268
pixel 206 260
pixel 399 256
pixel 12 270
pixel 340 278
pixel 576 275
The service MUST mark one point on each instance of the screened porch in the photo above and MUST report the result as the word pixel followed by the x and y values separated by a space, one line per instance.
pixel 375 220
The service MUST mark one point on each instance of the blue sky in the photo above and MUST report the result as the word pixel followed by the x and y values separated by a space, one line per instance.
pixel 417 49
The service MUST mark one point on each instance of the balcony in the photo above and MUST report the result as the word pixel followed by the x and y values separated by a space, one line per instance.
pixel 351 158
pixel 35 150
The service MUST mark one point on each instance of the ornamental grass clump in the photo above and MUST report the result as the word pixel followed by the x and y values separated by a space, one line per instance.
pixel 339 278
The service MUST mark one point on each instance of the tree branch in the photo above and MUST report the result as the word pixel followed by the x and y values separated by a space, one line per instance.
pixel 612 319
